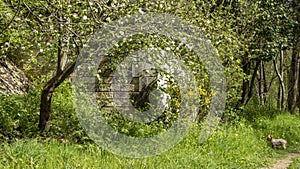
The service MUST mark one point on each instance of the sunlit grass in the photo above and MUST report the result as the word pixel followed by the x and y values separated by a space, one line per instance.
pixel 239 146
pixel 225 148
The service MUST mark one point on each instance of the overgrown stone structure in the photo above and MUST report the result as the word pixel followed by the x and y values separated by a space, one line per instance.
pixel 135 85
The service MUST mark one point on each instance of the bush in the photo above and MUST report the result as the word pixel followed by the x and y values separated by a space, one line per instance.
pixel 20 115
pixel 253 112
pixel 64 121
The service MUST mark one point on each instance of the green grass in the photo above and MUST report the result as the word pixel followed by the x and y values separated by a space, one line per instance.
pixel 239 146
pixel 295 164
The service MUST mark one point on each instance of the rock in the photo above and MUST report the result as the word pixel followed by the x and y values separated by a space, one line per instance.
pixel 12 79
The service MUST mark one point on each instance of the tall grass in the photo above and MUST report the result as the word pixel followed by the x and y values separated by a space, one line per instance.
pixel 280 124
pixel 239 146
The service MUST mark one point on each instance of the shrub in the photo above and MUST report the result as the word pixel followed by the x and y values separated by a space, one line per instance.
pixel 19 114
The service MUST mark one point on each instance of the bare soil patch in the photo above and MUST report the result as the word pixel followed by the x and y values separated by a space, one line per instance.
pixel 285 162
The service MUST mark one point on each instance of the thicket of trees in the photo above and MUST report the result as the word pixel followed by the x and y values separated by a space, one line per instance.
pixel 258 42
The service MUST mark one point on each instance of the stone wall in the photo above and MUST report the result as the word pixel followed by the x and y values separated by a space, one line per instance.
pixel 117 93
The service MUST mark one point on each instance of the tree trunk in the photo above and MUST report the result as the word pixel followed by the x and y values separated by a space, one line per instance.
pixel 279 73
pixel 260 84
pixel 45 106
pixel 248 85
pixel 293 91
pixel 294 80
pixel 265 85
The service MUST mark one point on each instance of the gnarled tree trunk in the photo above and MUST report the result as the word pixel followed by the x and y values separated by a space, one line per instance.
pixel 45 106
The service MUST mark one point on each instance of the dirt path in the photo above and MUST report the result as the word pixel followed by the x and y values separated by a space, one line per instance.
pixel 285 162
